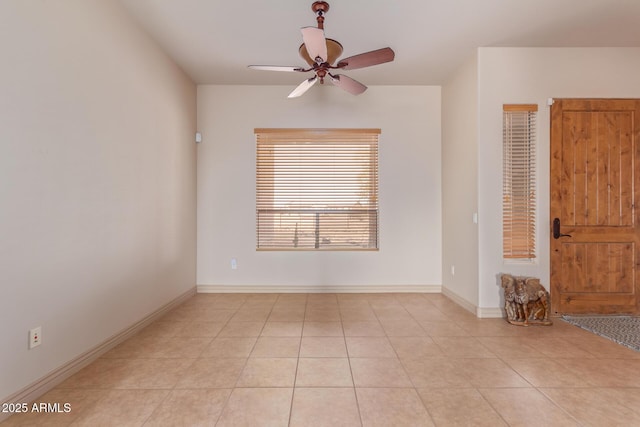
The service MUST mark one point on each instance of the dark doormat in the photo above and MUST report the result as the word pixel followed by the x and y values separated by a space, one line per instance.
pixel 624 330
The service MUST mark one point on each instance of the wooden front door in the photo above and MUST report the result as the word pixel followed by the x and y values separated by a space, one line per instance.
pixel 595 188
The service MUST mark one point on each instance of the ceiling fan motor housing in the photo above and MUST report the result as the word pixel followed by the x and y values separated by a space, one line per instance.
pixel 334 50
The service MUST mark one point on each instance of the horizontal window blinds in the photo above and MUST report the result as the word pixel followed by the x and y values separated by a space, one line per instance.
pixel 519 181
pixel 317 189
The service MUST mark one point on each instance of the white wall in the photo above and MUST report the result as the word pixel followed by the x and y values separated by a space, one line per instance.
pixel 531 75
pixel 97 181
pixel 460 183
pixel 410 185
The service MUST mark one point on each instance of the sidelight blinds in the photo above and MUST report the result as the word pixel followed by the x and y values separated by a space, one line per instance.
pixel 519 181
pixel 317 189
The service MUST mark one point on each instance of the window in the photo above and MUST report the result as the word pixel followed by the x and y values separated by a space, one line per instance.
pixel 317 189
pixel 519 181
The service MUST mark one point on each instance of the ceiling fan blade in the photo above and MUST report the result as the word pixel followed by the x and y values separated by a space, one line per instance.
pixel 347 83
pixel 275 68
pixel 367 59
pixel 315 43
pixel 303 87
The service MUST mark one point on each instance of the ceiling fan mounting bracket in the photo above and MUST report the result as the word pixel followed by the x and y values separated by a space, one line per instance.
pixel 320 6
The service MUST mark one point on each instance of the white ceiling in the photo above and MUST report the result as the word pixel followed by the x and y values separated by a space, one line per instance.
pixel 215 40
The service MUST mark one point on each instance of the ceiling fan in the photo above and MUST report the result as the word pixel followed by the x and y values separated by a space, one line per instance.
pixel 321 53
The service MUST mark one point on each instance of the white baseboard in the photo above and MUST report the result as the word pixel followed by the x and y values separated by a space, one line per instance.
pixel 490 313
pixel 459 300
pixel 55 377
pixel 480 312
pixel 282 289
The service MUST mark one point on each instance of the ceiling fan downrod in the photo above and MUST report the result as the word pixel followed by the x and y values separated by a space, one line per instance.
pixel 320 8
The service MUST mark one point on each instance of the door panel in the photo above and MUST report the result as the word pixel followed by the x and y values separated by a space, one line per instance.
pixel 596 267
pixel 594 189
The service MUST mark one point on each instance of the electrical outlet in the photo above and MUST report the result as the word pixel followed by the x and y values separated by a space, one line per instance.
pixel 35 337
pixel 234 264
pixel 453 270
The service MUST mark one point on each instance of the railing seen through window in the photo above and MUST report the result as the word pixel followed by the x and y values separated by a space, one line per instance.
pixel 317 189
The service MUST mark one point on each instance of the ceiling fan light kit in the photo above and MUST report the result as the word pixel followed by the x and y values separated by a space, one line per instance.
pixel 320 53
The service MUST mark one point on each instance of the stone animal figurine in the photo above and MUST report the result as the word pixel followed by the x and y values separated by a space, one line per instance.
pixel 509 285
pixel 526 300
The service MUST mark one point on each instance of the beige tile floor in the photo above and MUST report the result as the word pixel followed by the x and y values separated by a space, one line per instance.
pixel 349 360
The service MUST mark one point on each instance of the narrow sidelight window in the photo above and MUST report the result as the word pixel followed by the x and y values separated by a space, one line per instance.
pixel 519 181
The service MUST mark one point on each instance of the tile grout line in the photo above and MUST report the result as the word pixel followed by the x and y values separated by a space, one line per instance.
pixel 226 402
pixel 295 376
pixel 245 364
pixel 562 408
pixel 491 405
pixel 254 344
pixel 404 369
pixel 353 381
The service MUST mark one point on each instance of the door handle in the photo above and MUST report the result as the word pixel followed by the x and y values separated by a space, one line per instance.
pixel 556 229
